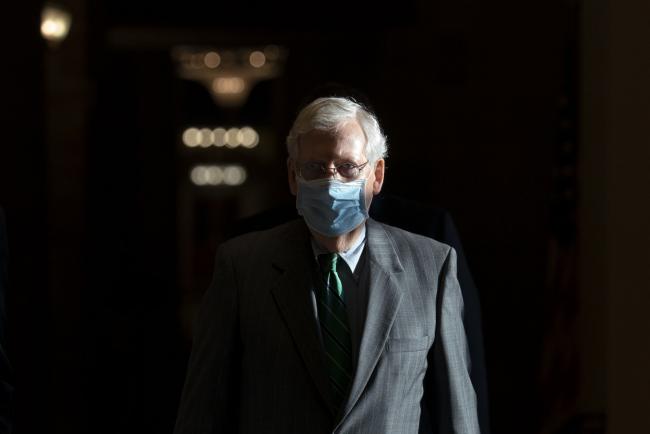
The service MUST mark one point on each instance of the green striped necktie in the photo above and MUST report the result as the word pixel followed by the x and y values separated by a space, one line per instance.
pixel 334 327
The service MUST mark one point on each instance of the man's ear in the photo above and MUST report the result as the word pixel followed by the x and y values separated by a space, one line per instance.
pixel 291 173
pixel 380 165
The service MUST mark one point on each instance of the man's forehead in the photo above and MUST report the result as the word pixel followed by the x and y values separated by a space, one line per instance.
pixel 349 131
pixel 325 146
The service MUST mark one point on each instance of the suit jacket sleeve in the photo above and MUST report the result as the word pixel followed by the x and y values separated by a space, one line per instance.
pixel 209 402
pixel 449 392
pixel 471 320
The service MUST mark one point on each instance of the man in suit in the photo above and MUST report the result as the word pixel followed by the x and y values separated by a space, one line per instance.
pixel 334 322
pixel 423 219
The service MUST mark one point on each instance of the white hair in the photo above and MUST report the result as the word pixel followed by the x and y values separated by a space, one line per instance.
pixel 329 114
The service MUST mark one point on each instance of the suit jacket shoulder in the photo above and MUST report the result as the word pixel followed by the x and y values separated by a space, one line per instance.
pixel 281 242
pixel 412 247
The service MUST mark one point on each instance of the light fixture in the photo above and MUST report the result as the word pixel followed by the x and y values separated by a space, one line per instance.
pixel 212 59
pixel 257 59
pixel 234 175
pixel 190 137
pixel 246 137
pixel 206 137
pixel 219 135
pixel 215 175
pixel 55 24
pixel 228 85
pixel 231 138
pixel 229 74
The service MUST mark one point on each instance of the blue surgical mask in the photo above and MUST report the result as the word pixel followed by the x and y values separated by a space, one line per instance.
pixel 332 207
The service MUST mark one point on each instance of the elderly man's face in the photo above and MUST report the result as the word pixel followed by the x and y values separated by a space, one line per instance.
pixel 347 145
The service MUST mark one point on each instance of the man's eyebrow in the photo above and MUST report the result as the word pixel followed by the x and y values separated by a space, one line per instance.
pixel 336 161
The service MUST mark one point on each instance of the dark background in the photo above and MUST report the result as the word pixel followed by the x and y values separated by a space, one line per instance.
pixel 526 120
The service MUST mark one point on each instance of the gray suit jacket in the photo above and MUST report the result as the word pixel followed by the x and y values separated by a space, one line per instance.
pixel 257 364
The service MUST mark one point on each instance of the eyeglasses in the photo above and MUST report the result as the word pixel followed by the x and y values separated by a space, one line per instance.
pixel 314 170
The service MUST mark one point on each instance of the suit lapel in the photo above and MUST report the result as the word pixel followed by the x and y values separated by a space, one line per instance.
pixel 384 297
pixel 293 296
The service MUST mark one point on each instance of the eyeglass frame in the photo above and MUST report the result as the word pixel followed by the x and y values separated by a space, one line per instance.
pixel 328 171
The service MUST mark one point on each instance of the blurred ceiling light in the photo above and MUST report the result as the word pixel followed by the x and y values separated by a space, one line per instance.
pixel 234 175
pixel 195 61
pixel 214 175
pixel 206 138
pixel 257 59
pixel 229 75
pixel 55 24
pixel 232 138
pixel 207 175
pixel 248 137
pixel 228 85
pixel 212 59
pixel 190 137
pixel 218 175
pixel 219 135
pixel 199 175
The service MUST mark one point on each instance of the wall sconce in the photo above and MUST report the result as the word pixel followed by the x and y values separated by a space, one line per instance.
pixel 55 24
pixel 229 75
pixel 232 138
pixel 228 176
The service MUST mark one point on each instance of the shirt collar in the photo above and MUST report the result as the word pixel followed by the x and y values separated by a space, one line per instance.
pixel 350 256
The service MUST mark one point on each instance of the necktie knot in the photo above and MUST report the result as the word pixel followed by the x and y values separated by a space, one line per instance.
pixel 327 262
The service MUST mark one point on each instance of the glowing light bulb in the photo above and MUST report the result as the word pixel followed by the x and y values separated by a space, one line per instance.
pixel 231 137
pixel 196 61
pixel 228 85
pixel 199 175
pixel 212 59
pixel 214 175
pixel 205 137
pixel 257 59
pixel 190 137
pixel 234 175
pixel 218 175
pixel 219 135
pixel 55 23
pixel 248 137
